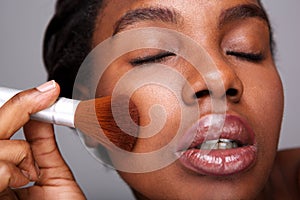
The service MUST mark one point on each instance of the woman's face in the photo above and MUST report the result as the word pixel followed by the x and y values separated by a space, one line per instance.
pixel 235 34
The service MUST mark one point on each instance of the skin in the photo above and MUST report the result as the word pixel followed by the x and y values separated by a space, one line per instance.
pixel 259 97
pixel 36 159
pixel 259 100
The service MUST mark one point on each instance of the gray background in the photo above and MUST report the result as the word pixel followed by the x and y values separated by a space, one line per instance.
pixel 22 27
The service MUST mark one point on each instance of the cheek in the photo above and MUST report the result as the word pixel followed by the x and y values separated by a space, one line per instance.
pixel 265 101
pixel 111 76
pixel 160 113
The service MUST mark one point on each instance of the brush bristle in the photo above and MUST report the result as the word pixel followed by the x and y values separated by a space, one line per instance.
pixel 93 114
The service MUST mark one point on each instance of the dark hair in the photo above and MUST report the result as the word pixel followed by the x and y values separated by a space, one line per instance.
pixel 68 40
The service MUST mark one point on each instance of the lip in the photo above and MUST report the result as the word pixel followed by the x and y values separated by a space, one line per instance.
pixel 218 162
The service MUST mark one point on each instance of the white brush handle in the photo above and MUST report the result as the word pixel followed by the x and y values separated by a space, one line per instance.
pixel 60 113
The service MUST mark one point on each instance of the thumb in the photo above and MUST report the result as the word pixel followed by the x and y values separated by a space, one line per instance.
pixel 53 169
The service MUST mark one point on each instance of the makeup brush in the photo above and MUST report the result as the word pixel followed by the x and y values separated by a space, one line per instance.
pixel 90 117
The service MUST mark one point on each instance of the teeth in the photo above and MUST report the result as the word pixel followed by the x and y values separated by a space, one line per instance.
pixel 218 144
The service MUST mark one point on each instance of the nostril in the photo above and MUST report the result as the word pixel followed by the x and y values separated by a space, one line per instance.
pixel 202 93
pixel 232 92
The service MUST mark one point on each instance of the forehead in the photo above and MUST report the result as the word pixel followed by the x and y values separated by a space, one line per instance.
pixel 131 4
pixel 193 14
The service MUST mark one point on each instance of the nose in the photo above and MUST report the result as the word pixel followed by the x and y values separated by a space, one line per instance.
pixel 219 82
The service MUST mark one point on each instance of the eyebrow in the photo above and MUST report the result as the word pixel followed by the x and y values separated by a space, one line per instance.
pixel 241 12
pixel 146 14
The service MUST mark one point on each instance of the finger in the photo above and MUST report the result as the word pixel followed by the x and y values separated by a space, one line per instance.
pixel 11 176
pixel 19 153
pixel 16 112
pixel 46 154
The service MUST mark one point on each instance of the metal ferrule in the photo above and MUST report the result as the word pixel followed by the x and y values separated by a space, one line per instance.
pixel 60 113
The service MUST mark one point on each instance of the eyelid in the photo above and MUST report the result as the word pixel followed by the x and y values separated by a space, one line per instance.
pixel 251 57
pixel 158 57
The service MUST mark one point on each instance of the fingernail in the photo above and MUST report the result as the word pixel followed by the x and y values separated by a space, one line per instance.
pixel 50 85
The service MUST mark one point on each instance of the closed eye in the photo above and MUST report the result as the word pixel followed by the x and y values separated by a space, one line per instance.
pixel 160 57
pixel 251 57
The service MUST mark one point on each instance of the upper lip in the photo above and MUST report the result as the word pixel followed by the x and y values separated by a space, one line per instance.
pixel 217 126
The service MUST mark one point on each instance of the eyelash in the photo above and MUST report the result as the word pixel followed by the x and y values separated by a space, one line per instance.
pixel 251 57
pixel 160 57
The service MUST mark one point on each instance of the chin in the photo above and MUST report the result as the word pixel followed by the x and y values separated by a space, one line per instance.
pixel 178 182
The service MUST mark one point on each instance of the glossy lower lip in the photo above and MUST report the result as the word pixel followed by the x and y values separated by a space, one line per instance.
pixel 219 162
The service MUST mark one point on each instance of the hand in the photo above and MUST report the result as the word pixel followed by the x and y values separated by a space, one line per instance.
pixel 36 159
